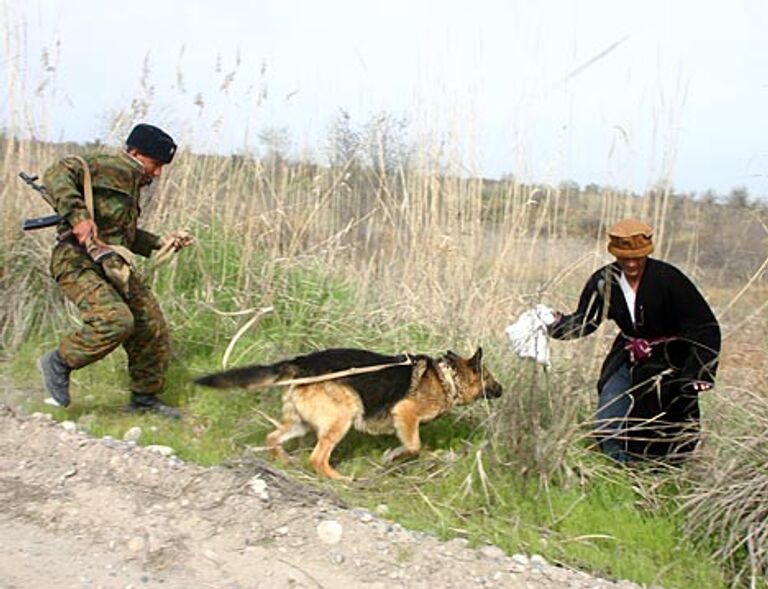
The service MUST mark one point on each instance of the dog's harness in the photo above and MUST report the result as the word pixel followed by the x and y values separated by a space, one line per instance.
pixel 419 368
pixel 449 380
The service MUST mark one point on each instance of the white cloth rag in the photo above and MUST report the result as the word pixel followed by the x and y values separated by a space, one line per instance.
pixel 528 335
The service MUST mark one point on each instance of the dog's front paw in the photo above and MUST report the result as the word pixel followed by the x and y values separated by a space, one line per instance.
pixel 280 455
pixel 392 454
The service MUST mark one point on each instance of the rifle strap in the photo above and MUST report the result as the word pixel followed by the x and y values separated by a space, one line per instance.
pixel 117 271
pixel 87 187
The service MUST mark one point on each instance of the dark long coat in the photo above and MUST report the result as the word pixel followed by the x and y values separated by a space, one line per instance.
pixel 665 408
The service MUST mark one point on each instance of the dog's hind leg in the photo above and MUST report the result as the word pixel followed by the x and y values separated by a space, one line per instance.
pixel 330 409
pixel 406 421
pixel 285 432
pixel 327 439
pixel 292 426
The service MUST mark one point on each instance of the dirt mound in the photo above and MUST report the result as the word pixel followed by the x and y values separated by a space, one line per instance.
pixel 85 512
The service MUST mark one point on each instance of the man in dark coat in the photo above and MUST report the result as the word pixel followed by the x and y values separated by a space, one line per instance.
pixel 665 354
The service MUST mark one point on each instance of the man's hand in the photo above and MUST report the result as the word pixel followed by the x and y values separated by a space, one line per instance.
pixel 171 243
pixel 84 230
pixel 176 240
pixel 700 385
pixel 558 315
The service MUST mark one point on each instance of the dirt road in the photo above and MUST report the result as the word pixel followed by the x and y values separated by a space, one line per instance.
pixel 79 512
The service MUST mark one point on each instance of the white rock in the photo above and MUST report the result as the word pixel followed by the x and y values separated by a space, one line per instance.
pixel 490 551
pixel 382 509
pixel 459 542
pixel 133 434
pixel 136 544
pixel 69 426
pixel 330 531
pixel 259 487
pixel 162 450
pixel 538 561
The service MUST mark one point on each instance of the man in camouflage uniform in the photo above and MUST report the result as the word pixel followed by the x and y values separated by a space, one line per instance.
pixel 110 318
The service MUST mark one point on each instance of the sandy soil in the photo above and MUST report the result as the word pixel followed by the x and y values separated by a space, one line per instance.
pixel 79 512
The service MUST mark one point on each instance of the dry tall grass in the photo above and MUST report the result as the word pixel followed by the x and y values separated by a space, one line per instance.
pixel 424 243
pixel 729 501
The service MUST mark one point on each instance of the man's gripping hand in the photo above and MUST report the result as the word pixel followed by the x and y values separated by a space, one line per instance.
pixel 84 231
pixel 172 242
pixel 176 240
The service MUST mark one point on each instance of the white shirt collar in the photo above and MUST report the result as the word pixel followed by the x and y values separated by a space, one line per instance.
pixel 630 296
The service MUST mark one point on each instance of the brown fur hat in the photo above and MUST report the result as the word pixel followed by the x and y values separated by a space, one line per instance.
pixel 630 238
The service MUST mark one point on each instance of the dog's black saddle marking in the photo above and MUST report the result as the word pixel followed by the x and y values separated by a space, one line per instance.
pixel 378 390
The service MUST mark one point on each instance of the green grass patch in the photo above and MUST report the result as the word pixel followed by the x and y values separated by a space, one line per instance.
pixel 601 527
pixel 603 524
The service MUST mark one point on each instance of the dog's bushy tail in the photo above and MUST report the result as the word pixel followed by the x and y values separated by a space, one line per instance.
pixel 247 377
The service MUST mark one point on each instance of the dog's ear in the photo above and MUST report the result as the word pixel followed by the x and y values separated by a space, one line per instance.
pixel 451 354
pixel 477 359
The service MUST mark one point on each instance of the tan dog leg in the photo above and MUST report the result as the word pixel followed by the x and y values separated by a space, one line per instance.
pixel 406 422
pixel 327 440
pixel 291 427
pixel 286 431
pixel 330 409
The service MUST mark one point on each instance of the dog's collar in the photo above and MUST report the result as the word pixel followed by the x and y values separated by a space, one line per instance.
pixel 449 379
pixel 419 368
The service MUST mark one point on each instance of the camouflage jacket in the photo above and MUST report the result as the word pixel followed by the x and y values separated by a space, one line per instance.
pixel 117 180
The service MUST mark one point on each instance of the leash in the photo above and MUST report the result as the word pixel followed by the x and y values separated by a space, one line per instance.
pixel 354 371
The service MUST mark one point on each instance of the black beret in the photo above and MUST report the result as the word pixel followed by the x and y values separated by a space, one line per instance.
pixel 152 142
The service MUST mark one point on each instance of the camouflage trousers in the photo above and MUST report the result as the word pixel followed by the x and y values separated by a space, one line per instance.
pixel 109 320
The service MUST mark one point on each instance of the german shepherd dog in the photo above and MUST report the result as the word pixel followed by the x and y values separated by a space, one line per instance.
pixel 331 390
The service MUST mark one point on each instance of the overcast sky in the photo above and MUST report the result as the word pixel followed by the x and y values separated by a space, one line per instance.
pixel 615 92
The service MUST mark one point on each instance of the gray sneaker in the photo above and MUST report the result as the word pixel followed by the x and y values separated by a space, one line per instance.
pixel 143 403
pixel 56 377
